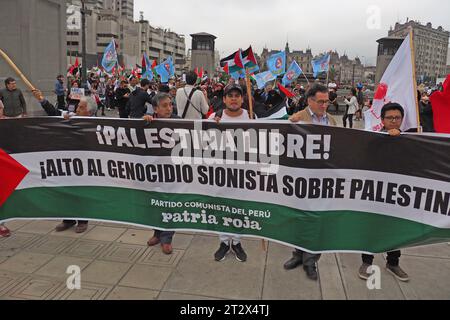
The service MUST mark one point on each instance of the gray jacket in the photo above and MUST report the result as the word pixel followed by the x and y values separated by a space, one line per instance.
pixel 14 102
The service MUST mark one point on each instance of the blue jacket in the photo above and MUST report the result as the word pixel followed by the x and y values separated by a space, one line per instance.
pixel 59 88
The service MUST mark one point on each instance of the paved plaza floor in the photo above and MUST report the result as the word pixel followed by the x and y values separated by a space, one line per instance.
pixel 116 263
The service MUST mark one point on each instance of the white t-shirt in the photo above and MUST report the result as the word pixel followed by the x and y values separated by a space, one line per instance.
pixel 225 117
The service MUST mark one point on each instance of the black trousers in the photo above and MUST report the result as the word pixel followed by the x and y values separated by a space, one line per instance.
pixel 123 113
pixel 61 102
pixel 350 120
pixel 393 258
pixel 309 259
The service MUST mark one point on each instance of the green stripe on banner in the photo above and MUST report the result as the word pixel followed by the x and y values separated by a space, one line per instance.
pixel 313 231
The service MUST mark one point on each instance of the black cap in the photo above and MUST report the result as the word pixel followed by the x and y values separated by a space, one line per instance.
pixel 232 87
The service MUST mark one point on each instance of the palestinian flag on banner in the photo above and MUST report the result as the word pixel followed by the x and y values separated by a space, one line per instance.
pixel 249 60
pixel 234 62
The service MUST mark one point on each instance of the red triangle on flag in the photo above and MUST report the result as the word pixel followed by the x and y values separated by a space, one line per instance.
pixel 12 174
pixel 251 55
pixel 286 92
pixel 226 69
pixel 238 59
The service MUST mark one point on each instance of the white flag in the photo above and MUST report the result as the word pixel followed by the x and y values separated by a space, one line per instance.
pixel 397 85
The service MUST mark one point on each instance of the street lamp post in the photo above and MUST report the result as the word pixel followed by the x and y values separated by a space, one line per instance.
pixel 353 76
pixel 83 43
pixel 84 12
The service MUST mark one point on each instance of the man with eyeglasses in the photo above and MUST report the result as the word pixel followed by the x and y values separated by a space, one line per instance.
pixel 392 115
pixel 316 113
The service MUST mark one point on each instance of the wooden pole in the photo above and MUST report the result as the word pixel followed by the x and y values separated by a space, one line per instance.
pixel 413 63
pixel 252 116
pixel 305 77
pixel 19 73
pixel 249 93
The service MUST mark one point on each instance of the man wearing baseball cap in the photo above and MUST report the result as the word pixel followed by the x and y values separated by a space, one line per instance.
pixel 233 100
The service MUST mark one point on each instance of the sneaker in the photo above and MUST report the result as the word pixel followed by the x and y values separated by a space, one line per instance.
pixel 362 273
pixel 294 262
pixel 311 272
pixel 397 272
pixel 239 252
pixel 222 252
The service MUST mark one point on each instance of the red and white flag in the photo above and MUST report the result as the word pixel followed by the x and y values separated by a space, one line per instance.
pixel 396 85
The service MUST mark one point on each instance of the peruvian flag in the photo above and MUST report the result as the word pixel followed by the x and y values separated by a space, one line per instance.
pixel 397 85
pixel 440 102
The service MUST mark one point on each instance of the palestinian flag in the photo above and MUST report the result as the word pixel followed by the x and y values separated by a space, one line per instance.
pixel 75 68
pixel 249 60
pixel 285 91
pixel 225 69
pixel 278 112
pixel 234 62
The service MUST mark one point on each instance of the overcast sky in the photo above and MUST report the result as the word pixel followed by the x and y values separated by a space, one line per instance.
pixel 320 24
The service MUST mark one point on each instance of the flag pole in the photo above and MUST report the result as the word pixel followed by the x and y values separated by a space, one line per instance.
pixel 252 116
pixel 305 77
pixel 413 63
pixel 328 71
pixel 249 93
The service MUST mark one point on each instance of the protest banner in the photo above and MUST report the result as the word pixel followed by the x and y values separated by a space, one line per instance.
pixel 300 185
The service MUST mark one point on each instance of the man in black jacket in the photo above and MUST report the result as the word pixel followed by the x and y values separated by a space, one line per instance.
pixel 138 100
pixel 122 98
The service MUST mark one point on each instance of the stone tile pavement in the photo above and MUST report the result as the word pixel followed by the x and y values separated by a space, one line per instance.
pixel 116 263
